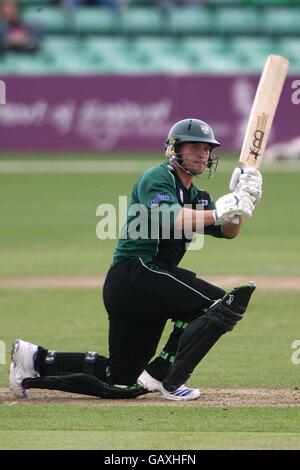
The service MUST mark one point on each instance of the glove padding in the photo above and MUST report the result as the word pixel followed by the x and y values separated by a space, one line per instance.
pixel 248 180
pixel 231 205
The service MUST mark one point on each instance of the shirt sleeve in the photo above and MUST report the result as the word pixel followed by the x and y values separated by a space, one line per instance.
pixel 156 191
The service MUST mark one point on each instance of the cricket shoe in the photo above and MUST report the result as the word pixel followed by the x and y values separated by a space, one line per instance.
pixel 148 382
pixel 22 366
pixel 152 385
pixel 182 393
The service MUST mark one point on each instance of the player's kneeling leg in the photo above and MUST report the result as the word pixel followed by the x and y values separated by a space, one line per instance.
pixel 84 383
pixel 201 334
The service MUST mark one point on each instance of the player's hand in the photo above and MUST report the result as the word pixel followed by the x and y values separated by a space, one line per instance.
pixel 231 205
pixel 226 207
pixel 232 219
pixel 245 204
pixel 248 180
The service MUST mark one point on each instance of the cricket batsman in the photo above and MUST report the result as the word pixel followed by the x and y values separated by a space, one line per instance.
pixel 144 287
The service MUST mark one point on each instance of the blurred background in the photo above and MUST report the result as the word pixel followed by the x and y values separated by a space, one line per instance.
pixel 113 75
pixel 92 89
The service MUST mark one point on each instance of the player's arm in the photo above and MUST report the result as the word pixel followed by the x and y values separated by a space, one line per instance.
pixel 230 230
pixel 194 219
pixel 197 220
pixel 226 213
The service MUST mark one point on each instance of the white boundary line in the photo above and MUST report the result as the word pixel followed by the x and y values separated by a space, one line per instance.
pixel 113 166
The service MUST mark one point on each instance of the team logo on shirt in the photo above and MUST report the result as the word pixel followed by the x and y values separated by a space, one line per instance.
pixel 158 198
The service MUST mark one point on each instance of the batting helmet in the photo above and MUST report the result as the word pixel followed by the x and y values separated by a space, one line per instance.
pixel 188 131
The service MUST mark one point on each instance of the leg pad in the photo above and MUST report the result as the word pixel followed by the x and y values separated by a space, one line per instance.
pixel 85 385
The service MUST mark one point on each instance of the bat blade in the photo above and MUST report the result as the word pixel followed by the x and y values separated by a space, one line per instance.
pixel 263 110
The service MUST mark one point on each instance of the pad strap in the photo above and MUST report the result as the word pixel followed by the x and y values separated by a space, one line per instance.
pixel 51 363
pixel 89 363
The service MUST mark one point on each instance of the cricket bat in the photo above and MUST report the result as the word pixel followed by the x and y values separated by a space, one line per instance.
pixel 263 110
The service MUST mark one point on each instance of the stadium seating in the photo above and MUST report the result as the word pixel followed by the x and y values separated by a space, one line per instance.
pixel 93 20
pixel 223 36
pixel 252 45
pixel 141 21
pixel 52 19
pixel 290 48
pixel 189 20
pixel 237 21
pixel 36 3
pixel 203 46
pixel 281 21
pixel 266 3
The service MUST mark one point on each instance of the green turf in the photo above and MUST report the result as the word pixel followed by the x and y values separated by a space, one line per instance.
pixel 48 226
pixel 256 354
pixel 118 440
pixel 125 427
pixel 134 419
pixel 79 156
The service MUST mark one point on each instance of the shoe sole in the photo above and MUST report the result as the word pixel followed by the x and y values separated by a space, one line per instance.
pixel 13 370
pixel 159 388
pixel 174 398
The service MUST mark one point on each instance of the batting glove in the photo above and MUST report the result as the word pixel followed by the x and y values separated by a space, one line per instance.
pixel 226 207
pixel 248 180
pixel 232 205
pixel 245 204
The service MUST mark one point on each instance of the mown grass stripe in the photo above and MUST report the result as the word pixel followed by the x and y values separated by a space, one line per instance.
pixel 111 166
pixel 118 440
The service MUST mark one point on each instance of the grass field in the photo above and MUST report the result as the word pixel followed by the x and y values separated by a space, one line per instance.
pixel 48 223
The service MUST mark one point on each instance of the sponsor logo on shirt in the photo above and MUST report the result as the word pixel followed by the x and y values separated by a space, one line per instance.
pixel 158 198
pixel 203 202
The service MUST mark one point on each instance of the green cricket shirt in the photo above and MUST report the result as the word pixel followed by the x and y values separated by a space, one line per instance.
pixel 157 198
